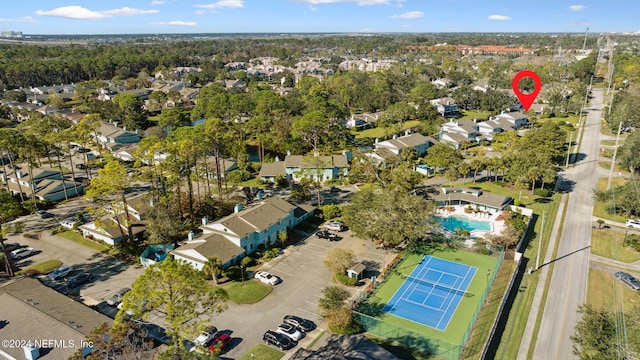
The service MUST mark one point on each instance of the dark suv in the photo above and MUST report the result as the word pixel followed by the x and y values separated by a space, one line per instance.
pixel 277 339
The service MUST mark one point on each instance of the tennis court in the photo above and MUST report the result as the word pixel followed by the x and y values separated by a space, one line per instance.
pixel 432 292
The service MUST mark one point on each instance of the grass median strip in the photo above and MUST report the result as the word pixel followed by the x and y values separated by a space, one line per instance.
pixel 247 292
pixel 44 267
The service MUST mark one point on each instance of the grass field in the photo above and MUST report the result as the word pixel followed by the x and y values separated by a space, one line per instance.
pixel 608 243
pixel 247 292
pixel 474 114
pixel 611 142
pixel 603 290
pixel 600 209
pixel 463 316
pixel 262 352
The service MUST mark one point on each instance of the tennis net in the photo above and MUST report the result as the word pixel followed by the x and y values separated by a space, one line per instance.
pixel 434 284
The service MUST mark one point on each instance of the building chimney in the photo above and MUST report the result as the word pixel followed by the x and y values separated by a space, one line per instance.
pixel 407 132
pixel 277 159
pixel 191 235
pixel 19 174
pixel 475 121
pixel 237 208
pixel 115 123
pixel 288 152
pixel 394 136
pixel 376 140
pixel 205 220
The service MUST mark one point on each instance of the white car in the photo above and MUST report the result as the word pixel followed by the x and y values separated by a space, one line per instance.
pixel 22 253
pixel 206 336
pixel 633 223
pixel 267 278
pixel 335 226
pixel 289 331
pixel 60 272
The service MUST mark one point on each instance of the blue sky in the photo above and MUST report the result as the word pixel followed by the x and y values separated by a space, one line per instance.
pixel 276 16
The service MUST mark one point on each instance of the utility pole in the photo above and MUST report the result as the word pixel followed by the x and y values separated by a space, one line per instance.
pixel 613 160
pixel 540 242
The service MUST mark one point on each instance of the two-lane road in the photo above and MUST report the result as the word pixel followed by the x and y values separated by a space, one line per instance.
pixel 571 266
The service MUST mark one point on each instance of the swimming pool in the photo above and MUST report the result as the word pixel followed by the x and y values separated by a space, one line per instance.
pixel 452 223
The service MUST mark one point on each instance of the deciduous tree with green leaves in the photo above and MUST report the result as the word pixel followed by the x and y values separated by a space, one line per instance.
pixel 180 293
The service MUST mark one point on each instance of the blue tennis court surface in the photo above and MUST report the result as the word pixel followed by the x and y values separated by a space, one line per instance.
pixel 432 292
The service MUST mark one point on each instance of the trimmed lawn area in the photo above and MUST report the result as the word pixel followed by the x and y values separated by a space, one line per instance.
pixel 253 182
pixel 607 165
pixel 600 209
pixel 461 319
pixel 381 132
pixel 474 114
pixel 571 119
pixel 262 352
pixel 611 142
pixel 44 267
pixel 608 243
pixel 601 289
pixel 247 292
pixel 103 248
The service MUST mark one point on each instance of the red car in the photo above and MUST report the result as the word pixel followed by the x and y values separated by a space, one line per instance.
pixel 220 343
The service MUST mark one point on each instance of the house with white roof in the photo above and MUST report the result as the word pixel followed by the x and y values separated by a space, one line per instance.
pixel 445 106
pixel 398 143
pixel 47 184
pixel 318 168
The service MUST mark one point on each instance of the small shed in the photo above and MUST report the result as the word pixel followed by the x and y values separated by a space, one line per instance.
pixel 356 271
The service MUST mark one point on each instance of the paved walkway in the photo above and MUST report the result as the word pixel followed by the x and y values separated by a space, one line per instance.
pixel 525 344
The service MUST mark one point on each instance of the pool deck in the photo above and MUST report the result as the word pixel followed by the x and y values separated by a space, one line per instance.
pixel 497 226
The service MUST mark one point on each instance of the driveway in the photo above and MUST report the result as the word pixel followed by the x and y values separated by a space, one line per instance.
pixel 303 275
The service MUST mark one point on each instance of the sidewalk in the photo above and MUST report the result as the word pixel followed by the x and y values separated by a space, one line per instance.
pixel 525 344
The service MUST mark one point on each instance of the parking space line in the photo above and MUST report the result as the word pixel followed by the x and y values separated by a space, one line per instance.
pixel 308 312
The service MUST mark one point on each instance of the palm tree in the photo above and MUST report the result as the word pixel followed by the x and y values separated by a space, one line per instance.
pixel 213 267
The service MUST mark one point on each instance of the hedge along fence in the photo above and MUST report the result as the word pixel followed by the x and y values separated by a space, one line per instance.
pixel 493 341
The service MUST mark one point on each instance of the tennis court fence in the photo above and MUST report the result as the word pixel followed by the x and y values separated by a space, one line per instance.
pixel 415 340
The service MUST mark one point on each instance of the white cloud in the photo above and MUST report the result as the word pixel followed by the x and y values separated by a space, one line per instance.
pixel 158 2
pixel 24 19
pixel 78 12
pixel 176 23
pixel 127 11
pixel 313 8
pixel 406 26
pixel 409 15
pixel 222 4
pixel 73 12
pixel 397 3
pixel 200 12
pixel 577 7
pixel 499 17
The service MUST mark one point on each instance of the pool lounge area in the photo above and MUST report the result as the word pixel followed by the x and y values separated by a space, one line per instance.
pixel 478 224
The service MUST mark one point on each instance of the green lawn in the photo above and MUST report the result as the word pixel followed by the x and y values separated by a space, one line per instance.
pixel 262 352
pixel 247 292
pixel 601 209
pixel 44 267
pixel 381 132
pixel 463 315
pixel 77 238
pixel 474 114
pixel 571 119
pixel 601 288
pixel 611 142
pixel 608 243
pixel 607 165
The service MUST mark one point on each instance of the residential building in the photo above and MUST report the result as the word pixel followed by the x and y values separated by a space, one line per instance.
pixel 47 184
pixel 111 137
pixel 317 168
pixel 361 122
pixel 269 172
pixel 458 132
pixel 446 106
pixel 33 312
pixel 397 143
pixel 209 168
pixel 242 232
pixel 515 118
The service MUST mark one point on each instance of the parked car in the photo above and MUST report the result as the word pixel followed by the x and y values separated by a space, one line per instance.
pixel 335 226
pixel 633 223
pixel 267 278
pixel 219 343
pixel 80 279
pixel 300 323
pixel 83 149
pixel 22 253
pixel 60 272
pixel 628 279
pixel 43 214
pixel 80 166
pixel 277 339
pixel 325 234
pixel 116 298
pixel 290 331
pixel 206 336
pixel 9 247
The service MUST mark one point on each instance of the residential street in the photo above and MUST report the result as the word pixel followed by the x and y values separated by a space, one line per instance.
pixel 567 289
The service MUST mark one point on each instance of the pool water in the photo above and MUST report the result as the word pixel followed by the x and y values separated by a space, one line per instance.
pixel 452 223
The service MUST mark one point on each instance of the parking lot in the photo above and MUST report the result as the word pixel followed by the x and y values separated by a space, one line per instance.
pixel 303 275
pixel 301 268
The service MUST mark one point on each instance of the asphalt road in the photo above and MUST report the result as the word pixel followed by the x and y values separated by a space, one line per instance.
pixel 569 280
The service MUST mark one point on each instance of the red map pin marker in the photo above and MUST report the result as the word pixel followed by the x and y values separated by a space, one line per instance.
pixel 526 99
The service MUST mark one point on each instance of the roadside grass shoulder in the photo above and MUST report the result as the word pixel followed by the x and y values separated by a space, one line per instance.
pixel 44 267
pixel 601 209
pixel 608 243
pixel 603 291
